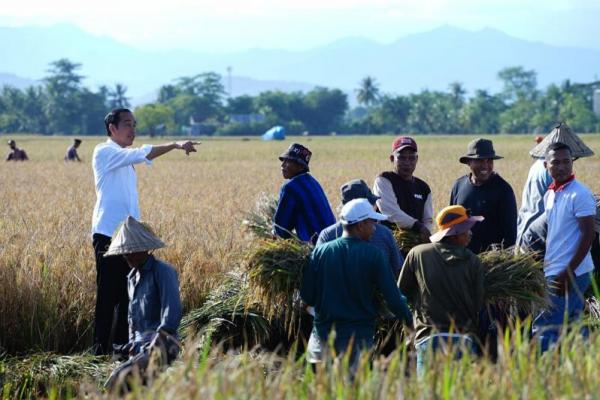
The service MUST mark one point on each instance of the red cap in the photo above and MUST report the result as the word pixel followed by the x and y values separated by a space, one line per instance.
pixel 402 142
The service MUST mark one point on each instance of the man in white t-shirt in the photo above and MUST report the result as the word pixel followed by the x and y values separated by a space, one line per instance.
pixel 117 198
pixel 570 209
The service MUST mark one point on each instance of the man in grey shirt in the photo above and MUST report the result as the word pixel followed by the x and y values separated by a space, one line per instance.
pixel 382 238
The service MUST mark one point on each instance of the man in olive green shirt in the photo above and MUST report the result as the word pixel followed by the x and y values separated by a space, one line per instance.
pixel 443 281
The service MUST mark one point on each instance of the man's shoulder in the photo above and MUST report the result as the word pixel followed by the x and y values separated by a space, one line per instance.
pixel 501 182
pixel 578 187
pixel 163 267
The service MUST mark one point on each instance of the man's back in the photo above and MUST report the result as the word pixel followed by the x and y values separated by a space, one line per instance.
pixel 444 282
pixel 341 282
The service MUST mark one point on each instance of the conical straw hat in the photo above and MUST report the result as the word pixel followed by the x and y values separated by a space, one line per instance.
pixel 133 237
pixel 562 133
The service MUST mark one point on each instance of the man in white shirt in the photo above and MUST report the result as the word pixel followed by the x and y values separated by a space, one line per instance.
pixel 570 209
pixel 117 197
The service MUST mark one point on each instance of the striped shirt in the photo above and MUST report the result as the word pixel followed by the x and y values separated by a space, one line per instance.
pixel 303 208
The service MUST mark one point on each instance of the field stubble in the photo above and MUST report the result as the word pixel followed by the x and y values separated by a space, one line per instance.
pixel 196 205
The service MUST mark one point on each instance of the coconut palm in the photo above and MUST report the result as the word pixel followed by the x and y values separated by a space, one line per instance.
pixel 367 94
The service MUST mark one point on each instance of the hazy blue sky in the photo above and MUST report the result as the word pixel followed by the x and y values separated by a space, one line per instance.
pixel 231 25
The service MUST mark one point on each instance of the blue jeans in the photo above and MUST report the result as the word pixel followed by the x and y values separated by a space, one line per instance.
pixel 445 342
pixel 317 349
pixel 563 309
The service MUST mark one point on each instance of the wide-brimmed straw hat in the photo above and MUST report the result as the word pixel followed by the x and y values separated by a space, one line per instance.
pixel 562 133
pixel 133 237
pixel 480 149
pixel 452 221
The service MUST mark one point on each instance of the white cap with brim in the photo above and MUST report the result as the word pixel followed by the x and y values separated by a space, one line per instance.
pixel 457 229
pixel 133 237
pixel 358 210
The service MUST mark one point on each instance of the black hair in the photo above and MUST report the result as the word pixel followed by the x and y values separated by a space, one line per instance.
pixel 114 117
pixel 556 146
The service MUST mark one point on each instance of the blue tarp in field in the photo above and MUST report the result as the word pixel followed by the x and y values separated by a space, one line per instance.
pixel 275 133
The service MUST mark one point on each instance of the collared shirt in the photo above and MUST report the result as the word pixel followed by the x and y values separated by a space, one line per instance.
pixel 154 301
pixel 17 155
pixel 532 201
pixel 116 185
pixel 563 208
pixel 419 196
pixel 303 207
pixel 382 238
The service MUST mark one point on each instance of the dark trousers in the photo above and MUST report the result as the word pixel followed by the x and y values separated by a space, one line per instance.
pixel 111 298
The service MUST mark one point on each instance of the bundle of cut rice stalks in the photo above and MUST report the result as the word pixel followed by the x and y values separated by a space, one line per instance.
pixel 407 239
pixel 227 317
pixel 36 374
pixel 259 221
pixel 516 281
pixel 274 271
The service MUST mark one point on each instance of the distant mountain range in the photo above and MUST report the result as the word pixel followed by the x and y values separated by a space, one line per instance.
pixel 430 60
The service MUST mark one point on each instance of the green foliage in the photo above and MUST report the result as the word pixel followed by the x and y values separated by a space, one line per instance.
pixel 152 117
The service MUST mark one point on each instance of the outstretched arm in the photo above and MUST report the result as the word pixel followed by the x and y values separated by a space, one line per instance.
pixel 160 149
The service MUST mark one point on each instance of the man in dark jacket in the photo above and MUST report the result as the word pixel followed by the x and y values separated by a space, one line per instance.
pixel 443 281
pixel 484 192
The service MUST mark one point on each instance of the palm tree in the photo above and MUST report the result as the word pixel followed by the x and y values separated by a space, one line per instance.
pixel 117 97
pixel 367 94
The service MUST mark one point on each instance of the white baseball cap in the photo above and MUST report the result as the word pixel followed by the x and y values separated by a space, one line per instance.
pixel 358 210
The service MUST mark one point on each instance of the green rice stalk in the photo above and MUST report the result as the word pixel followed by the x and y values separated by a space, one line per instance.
pixel 37 374
pixel 274 270
pixel 407 239
pixel 259 221
pixel 514 280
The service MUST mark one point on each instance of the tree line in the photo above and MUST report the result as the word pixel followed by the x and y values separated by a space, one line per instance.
pixel 61 104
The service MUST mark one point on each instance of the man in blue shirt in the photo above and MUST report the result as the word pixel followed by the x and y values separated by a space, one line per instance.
pixel 303 206
pixel 341 282
pixel 154 302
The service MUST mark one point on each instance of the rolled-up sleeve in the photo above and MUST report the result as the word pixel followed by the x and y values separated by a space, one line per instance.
pixel 111 157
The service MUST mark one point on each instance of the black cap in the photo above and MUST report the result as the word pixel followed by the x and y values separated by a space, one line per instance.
pixel 357 189
pixel 480 149
pixel 297 152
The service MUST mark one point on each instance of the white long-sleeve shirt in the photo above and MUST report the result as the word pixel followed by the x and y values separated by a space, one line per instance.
pixel 116 185
pixel 388 205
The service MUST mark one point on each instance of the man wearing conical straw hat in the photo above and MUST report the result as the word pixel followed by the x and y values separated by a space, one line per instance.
pixel 531 224
pixel 153 288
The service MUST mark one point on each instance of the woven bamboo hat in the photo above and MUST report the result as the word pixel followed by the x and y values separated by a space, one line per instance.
pixel 562 133
pixel 133 237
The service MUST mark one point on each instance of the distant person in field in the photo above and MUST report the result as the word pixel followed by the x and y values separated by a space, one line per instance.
pixel 443 280
pixel 404 198
pixel 154 301
pixel 72 151
pixel 382 238
pixel 116 198
pixel 16 154
pixel 531 223
pixel 342 281
pixel 484 192
pixel 570 208
pixel 303 207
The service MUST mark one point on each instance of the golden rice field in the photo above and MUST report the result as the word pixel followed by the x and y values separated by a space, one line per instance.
pixel 196 204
